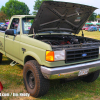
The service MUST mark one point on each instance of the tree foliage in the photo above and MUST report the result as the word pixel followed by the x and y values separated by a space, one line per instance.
pixel 3 16
pixel 98 16
pixel 93 17
pixel 15 7
pixel 37 5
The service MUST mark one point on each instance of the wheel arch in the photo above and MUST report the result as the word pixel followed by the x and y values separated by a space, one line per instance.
pixel 31 56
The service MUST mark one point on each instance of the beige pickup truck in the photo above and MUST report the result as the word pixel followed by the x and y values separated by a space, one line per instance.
pixel 48 48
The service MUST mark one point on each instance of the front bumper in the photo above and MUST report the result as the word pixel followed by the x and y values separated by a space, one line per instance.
pixel 69 71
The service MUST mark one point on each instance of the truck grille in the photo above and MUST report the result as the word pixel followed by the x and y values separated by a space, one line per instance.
pixel 81 54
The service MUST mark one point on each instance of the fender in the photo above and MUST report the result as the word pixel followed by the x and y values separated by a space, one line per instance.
pixel 32 54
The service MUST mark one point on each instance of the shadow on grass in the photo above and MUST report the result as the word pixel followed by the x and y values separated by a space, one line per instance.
pixel 20 66
pixel 72 90
pixel 6 61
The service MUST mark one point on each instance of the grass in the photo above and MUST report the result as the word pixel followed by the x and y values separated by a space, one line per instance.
pixel 94 34
pixel 12 80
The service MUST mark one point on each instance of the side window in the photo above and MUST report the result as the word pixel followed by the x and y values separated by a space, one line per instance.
pixel 15 25
pixel 27 23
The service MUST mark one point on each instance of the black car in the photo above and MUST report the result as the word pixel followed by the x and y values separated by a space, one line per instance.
pixel 3 27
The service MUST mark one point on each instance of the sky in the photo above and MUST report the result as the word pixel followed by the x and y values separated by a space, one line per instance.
pixel 31 3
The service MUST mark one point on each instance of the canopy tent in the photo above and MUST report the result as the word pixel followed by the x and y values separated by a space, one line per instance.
pixel 97 23
pixel 88 23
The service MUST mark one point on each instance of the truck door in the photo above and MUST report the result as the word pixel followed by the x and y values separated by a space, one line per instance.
pixel 12 43
pixel 2 33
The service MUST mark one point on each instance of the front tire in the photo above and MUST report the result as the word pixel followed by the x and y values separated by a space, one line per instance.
pixel 91 77
pixel 34 81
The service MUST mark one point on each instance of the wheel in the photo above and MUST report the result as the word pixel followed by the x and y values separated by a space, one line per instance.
pixel 34 81
pixel 91 77
pixel 0 98
pixel 0 57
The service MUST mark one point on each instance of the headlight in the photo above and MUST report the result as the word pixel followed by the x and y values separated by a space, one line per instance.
pixel 55 55
pixel 59 55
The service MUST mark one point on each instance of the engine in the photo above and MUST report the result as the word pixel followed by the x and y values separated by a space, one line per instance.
pixel 63 39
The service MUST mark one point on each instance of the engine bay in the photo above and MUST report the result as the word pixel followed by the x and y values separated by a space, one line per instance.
pixel 64 39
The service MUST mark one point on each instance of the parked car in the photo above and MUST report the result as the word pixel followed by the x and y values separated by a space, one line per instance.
pixel 3 27
pixel 92 28
pixel 1 23
pixel 7 23
pixel 86 29
pixel 83 28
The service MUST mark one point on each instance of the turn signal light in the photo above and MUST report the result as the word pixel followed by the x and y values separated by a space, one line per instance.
pixel 55 55
pixel 49 55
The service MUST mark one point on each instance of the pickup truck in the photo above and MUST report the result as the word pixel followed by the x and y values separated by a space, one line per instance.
pixel 48 48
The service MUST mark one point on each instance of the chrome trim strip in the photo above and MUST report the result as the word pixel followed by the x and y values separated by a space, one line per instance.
pixel 70 69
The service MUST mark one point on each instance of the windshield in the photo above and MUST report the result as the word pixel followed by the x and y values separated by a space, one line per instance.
pixel 27 23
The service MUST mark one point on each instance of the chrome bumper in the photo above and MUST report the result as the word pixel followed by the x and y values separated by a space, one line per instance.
pixel 69 71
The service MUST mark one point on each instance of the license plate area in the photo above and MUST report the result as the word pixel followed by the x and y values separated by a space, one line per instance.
pixel 83 72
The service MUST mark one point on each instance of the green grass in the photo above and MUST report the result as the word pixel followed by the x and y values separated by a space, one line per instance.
pixel 12 80
pixel 94 34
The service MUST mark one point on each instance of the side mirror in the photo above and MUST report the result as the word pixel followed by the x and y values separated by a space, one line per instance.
pixel 11 32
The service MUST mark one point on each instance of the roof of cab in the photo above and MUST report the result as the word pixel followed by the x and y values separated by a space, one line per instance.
pixel 23 16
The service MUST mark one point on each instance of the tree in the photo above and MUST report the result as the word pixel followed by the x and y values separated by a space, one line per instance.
pixel 15 7
pixel 3 16
pixel 37 5
pixel 93 17
pixel 98 16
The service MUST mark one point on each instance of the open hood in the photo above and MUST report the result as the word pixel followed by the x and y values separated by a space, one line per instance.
pixel 61 16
